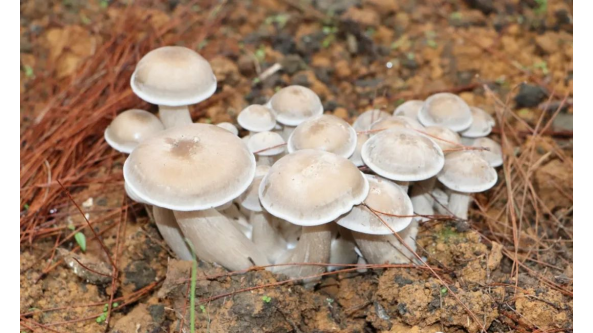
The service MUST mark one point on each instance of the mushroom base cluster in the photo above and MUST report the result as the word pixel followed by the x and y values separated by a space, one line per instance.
pixel 303 191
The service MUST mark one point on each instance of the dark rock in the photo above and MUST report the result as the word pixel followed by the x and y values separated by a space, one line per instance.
pixel 283 43
pixel 301 79
pixel 368 83
pixel 292 64
pixel 157 312
pixel 311 43
pixel 530 95
pixel 563 122
pixel 139 273
pixel 402 281
pixel 323 74
pixel 485 6
pixel 409 62
pixel 330 105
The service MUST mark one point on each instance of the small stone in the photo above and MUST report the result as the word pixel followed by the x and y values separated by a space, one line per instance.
pixel 343 69
pixel 246 65
pixel 485 6
pixel 529 95
pixel 292 64
pixel 139 273
pixel 341 113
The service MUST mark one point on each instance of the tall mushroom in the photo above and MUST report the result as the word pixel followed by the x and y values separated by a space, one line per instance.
pixel 465 172
pixel 311 188
pixel 374 239
pixel 174 170
pixel 257 118
pixel 173 77
pixel 409 109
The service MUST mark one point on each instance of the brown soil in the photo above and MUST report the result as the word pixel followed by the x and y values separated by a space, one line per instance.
pixel 371 54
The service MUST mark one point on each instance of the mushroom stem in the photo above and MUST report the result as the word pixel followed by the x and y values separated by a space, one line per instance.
pixel 381 249
pixel 421 197
pixel 342 250
pixel 239 219
pixel 172 116
pixel 265 236
pixel 216 239
pixel 459 204
pixel 169 229
pixel 313 247
pixel 287 131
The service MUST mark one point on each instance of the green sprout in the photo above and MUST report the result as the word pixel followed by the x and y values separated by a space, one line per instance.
pixel 542 6
pixel 430 36
pixel 543 66
pixel 103 316
pixel 104 4
pixel 84 19
pixel 192 295
pixel 456 16
pixel 410 55
pixel 28 73
pixel 399 102
pixel 327 41
pixel 260 53
pixel 444 291
pixel 266 299
pixel 279 19
pixel 202 44
pixel 26 206
pixel 79 238
pixel 202 308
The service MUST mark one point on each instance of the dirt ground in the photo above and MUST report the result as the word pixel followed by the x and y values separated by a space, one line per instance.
pixel 508 270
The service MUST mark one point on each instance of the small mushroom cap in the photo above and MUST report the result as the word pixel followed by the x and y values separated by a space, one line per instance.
pixel 445 109
pixel 229 127
pixel 294 104
pixel 264 140
pixel 361 138
pixel 409 109
pixel 312 187
pixel 192 167
pixel 402 154
pixel 494 155
pixel 250 198
pixel 466 171
pixel 257 118
pixel 386 197
pixel 130 127
pixel 173 76
pixel 449 138
pixel 324 132
pixel 397 121
pixel 368 118
pixel 481 125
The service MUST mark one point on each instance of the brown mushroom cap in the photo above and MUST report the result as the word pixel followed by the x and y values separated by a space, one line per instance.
pixel 385 197
pixel 447 110
pixel 192 167
pixel 467 172
pixel 173 76
pixel 324 132
pixel 130 127
pixel 312 187
pixel 402 154
pixel 294 104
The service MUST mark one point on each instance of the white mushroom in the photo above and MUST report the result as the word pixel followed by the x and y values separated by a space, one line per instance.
pixel 325 132
pixel 447 110
pixel 130 127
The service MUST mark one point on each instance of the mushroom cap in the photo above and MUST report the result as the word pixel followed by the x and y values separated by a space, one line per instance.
pixel 250 198
pixel 467 172
pixel 402 154
pixel 492 156
pixel 312 187
pixel 481 125
pixel 294 104
pixel 445 134
pixel 324 132
pixel 447 110
pixel 366 119
pixel 409 109
pixel 191 167
pixel 384 196
pixel 265 140
pixel 361 138
pixel 130 127
pixel 173 76
pixel 397 121
pixel 257 118
pixel 229 127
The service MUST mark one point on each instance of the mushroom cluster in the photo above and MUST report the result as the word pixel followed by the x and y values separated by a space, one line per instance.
pixel 302 187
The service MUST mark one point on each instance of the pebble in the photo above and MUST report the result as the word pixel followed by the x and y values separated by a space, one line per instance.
pixel 529 95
